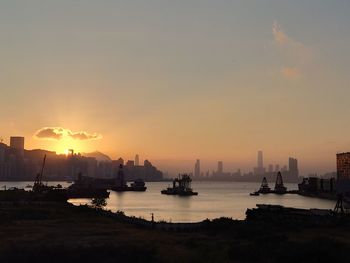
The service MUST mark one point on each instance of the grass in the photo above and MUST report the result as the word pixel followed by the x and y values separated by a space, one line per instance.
pixel 64 233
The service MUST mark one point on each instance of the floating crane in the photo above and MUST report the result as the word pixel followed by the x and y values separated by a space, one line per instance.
pixel 279 187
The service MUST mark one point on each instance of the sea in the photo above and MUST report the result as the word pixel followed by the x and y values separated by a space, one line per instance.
pixel 214 200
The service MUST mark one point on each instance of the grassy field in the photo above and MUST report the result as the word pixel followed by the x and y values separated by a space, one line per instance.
pixel 64 233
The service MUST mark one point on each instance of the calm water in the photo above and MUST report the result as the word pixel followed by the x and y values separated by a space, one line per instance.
pixel 215 199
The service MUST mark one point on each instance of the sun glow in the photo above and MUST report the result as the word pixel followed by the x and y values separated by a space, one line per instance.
pixel 63 146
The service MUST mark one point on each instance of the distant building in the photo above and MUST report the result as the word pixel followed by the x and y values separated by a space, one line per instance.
pixel 271 168
pixel 197 168
pixel 343 173
pixel 343 166
pixel 17 143
pixel 277 168
pixel 130 163
pixel 293 168
pixel 260 170
pixel 137 160
pixel 2 153
pixel 220 168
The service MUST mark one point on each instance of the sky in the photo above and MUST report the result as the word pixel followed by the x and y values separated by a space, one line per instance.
pixel 176 81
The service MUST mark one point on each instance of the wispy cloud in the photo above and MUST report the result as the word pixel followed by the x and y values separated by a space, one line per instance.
pixel 280 37
pixel 58 133
pixel 293 53
pixel 290 73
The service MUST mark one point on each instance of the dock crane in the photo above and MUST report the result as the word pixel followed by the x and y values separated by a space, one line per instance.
pixel 38 184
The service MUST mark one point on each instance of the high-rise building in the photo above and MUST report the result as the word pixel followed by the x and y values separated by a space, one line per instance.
pixel 293 168
pixel 343 173
pixel 220 167
pixel 137 160
pixel 2 153
pixel 343 166
pixel 197 168
pixel 260 170
pixel 17 142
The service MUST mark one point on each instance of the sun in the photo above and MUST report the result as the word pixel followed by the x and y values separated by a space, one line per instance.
pixel 64 146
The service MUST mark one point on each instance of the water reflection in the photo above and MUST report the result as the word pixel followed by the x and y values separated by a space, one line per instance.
pixel 215 199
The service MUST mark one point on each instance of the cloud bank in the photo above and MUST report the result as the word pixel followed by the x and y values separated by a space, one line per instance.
pixel 58 133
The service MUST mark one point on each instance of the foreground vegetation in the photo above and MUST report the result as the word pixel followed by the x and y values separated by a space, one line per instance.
pixel 64 233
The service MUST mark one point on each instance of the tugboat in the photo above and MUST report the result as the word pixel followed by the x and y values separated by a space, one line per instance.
pixel 264 188
pixel 121 185
pixel 138 185
pixel 181 186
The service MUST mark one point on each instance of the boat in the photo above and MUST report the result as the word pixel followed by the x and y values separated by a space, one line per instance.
pixel 279 187
pixel 256 193
pixel 29 186
pixel 121 185
pixel 181 186
pixel 39 192
pixel 85 187
pixel 264 188
pixel 138 185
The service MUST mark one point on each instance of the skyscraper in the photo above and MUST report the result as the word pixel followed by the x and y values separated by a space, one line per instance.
pixel 259 170
pixel 343 166
pixel 137 160
pixel 17 142
pixel 197 168
pixel 220 168
pixel 343 173
pixel 293 168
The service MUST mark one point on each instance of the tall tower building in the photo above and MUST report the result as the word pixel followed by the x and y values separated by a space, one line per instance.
pixel 293 168
pixel 343 166
pixel 137 160
pixel 197 168
pixel 220 167
pixel 17 142
pixel 259 170
pixel 2 155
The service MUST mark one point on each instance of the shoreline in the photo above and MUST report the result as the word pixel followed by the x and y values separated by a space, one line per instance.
pixel 66 233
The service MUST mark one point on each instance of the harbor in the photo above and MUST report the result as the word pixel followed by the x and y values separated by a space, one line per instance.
pixel 215 199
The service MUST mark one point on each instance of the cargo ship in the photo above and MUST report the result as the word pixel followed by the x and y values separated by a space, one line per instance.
pixel 87 187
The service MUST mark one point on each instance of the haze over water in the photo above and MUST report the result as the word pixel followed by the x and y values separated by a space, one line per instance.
pixel 215 199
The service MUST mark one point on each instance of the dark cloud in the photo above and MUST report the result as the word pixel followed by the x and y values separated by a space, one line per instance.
pixel 84 136
pixel 58 133
pixel 50 133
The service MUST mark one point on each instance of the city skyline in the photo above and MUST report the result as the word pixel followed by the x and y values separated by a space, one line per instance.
pixel 216 80
pixel 18 142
